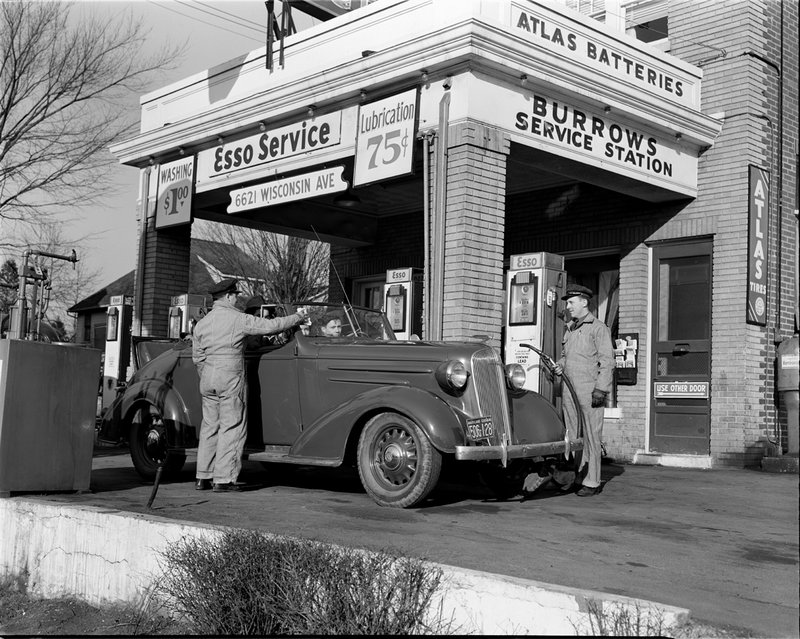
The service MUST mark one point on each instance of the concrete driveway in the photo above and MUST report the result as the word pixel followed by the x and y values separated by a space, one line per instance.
pixel 723 543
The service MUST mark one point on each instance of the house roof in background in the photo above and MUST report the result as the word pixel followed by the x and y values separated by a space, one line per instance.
pixel 209 262
pixel 228 259
pixel 101 298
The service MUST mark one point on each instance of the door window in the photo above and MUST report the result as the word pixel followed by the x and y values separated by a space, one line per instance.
pixel 680 415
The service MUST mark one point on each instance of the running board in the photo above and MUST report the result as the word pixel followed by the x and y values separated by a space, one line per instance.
pixel 280 455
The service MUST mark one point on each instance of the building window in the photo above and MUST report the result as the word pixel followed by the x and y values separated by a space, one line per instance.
pixel 593 8
pixel 369 292
pixel 647 21
pixel 99 336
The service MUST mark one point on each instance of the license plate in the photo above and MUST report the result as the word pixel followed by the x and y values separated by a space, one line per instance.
pixel 480 428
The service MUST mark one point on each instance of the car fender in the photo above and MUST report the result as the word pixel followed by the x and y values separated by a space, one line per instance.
pixel 535 420
pixel 117 419
pixel 328 436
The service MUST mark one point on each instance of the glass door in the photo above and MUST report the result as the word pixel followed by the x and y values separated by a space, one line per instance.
pixel 680 400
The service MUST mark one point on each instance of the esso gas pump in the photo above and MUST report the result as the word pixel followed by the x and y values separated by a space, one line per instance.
pixel 117 357
pixel 402 301
pixel 534 285
pixel 184 312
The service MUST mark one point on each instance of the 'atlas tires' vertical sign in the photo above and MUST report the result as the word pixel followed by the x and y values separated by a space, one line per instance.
pixel 175 187
pixel 757 246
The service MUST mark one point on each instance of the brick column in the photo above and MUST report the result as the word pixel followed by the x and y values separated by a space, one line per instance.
pixel 162 270
pixel 475 230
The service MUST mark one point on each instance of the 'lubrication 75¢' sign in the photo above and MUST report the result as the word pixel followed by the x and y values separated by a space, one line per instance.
pixel 385 138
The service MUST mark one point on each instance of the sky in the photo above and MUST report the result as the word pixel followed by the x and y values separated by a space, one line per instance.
pixel 213 31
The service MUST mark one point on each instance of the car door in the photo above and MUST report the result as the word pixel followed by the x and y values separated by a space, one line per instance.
pixel 274 398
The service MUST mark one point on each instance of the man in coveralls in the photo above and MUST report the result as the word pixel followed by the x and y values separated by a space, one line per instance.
pixel 218 351
pixel 587 357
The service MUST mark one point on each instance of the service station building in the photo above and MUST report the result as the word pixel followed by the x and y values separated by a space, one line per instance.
pixel 453 138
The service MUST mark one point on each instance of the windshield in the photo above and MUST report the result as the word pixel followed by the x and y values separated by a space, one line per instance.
pixel 342 320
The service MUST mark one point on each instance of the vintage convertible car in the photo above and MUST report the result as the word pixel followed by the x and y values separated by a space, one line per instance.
pixel 393 408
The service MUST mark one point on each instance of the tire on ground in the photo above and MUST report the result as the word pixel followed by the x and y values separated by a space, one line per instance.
pixel 397 463
pixel 148 444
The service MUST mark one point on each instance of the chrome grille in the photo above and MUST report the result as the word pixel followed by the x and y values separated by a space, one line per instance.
pixel 490 389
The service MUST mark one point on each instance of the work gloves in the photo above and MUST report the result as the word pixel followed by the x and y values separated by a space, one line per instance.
pixel 598 398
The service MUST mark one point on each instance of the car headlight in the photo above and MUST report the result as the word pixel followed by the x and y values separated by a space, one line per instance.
pixel 515 376
pixel 452 374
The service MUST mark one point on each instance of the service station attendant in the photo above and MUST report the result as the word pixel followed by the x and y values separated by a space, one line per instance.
pixel 587 358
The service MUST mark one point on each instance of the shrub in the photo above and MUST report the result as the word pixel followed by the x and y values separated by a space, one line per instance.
pixel 247 582
pixel 621 621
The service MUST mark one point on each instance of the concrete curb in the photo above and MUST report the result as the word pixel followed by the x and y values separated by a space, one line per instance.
pixel 107 556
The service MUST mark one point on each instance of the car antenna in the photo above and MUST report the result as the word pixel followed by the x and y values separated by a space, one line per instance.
pixel 333 266
pixel 348 309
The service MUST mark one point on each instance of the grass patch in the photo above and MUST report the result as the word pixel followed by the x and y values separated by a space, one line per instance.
pixel 621 621
pixel 23 614
pixel 247 582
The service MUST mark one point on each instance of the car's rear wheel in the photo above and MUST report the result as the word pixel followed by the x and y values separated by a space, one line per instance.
pixel 397 463
pixel 148 443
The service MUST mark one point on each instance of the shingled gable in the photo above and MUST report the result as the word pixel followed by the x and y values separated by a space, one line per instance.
pixel 100 299
pixel 209 262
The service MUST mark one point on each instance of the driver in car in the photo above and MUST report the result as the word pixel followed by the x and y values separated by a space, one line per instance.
pixel 332 328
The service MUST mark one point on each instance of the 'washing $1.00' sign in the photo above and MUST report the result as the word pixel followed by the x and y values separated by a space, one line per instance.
pixel 174 204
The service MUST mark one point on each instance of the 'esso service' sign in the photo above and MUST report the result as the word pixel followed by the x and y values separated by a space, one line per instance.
pixel 270 146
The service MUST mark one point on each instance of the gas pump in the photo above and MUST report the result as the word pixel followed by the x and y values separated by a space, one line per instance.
pixel 535 282
pixel 119 317
pixel 184 312
pixel 402 296
pixel 33 328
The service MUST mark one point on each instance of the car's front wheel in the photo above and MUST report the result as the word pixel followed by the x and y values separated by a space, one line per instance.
pixel 148 443
pixel 397 463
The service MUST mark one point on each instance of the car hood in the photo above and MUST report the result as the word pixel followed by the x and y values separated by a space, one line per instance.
pixel 394 350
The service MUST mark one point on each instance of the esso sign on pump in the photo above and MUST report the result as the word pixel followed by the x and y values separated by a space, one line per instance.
pixel 534 285
pixel 402 301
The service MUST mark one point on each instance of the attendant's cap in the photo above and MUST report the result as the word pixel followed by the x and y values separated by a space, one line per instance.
pixel 254 302
pixel 228 285
pixel 575 290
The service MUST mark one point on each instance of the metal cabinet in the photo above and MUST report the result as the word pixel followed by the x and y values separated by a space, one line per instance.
pixel 48 401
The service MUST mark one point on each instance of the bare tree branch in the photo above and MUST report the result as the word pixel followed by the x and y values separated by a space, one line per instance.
pixel 69 283
pixel 63 90
pixel 280 268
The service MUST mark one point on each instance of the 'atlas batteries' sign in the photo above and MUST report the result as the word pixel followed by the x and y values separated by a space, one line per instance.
pixel 757 246
pixel 385 138
pixel 174 202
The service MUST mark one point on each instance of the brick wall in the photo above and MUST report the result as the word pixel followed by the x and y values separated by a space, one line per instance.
pixel 166 273
pixel 399 241
pixel 744 84
pixel 473 272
